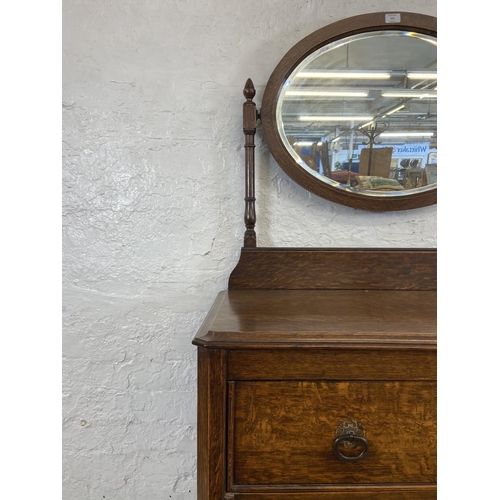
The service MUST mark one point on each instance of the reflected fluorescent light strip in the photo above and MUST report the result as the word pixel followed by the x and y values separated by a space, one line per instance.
pixel 414 75
pixel 431 94
pixel 366 124
pixel 406 134
pixel 306 143
pixel 335 118
pixel 345 74
pixel 313 93
pixel 394 110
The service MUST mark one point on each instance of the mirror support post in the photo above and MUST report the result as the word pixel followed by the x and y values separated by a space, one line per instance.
pixel 249 129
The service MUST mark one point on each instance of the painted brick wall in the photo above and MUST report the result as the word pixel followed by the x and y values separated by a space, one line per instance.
pixel 152 217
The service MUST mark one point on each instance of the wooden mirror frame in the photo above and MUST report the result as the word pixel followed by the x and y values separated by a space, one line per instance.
pixel 364 23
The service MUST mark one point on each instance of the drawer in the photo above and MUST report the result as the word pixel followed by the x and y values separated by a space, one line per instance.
pixel 282 433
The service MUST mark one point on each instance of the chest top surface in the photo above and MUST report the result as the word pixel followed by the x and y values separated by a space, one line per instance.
pixel 274 318
pixel 276 304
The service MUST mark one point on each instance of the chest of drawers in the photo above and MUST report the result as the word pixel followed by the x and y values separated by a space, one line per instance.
pixel 317 378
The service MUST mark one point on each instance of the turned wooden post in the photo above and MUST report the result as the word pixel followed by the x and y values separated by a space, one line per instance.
pixel 249 129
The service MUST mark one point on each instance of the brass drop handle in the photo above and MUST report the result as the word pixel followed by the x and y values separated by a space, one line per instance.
pixel 349 436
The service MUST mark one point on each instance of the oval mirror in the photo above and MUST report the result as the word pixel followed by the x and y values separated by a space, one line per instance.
pixel 350 113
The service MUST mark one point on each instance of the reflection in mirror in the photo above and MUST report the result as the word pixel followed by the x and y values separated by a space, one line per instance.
pixel 361 113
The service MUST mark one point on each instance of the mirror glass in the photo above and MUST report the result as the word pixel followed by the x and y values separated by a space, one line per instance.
pixel 360 113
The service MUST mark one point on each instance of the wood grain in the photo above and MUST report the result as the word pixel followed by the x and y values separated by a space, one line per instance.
pixel 331 364
pixel 335 318
pixel 211 468
pixel 335 269
pixel 284 432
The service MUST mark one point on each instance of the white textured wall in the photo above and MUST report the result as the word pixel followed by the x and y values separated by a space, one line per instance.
pixel 152 213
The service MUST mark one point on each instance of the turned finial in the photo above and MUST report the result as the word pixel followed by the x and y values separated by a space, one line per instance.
pixel 249 90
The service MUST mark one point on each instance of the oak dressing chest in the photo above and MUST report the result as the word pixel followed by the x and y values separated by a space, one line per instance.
pixel 286 365
pixel 317 366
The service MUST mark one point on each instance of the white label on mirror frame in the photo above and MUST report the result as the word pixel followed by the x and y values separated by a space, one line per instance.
pixel 393 18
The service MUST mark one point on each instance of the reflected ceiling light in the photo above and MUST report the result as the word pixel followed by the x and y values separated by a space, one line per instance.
pixel 345 74
pixel 431 94
pixel 314 93
pixel 306 143
pixel 320 118
pixel 414 75
pixel 366 124
pixel 406 134
pixel 394 110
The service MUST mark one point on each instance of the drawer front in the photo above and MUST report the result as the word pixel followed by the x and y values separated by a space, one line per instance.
pixel 283 433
